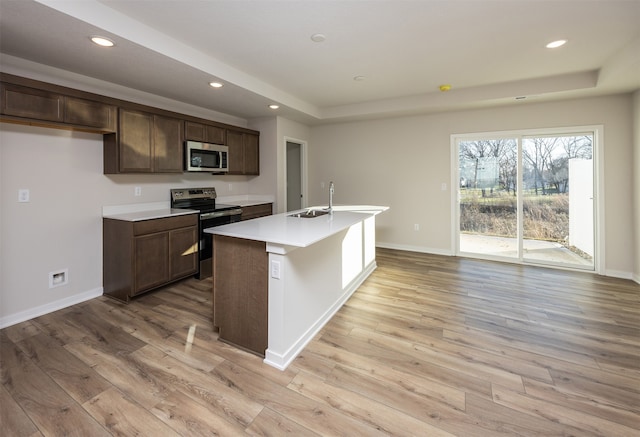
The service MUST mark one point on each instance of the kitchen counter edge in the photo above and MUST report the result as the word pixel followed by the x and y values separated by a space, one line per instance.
pixel 150 214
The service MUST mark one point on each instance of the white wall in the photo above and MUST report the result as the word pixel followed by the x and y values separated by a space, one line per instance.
pixel 273 134
pixel 61 227
pixel 636 185
pixel 403 162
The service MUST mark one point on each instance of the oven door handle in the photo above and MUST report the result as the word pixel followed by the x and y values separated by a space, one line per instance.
pixel 210 215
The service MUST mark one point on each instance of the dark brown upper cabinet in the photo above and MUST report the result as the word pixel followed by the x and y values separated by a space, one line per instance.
pixel 137 138
pixel 145 143
pixel 204 132
pixel 82 112
pixel 36 105
pixel 244 153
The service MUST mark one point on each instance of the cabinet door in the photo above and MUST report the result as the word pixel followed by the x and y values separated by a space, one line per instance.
pixel 204 132
pixel 183 247
pixel 151 261
pixel 251 154
pixel 215 134
pixel 31 103
pixel 88 113
pixel 135 142
pixel 235 142
pixel 194 131
pixel 168 144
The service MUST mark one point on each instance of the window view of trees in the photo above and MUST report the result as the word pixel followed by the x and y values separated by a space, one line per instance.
pixel 488 170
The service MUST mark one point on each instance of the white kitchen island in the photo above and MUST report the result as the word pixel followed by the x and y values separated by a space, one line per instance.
pixel 279 279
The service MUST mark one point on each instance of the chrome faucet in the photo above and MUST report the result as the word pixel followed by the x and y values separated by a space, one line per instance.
pixel 331 190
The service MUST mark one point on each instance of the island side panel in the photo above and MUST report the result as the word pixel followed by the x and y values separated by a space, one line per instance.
pixel 315 281
pixel 240 292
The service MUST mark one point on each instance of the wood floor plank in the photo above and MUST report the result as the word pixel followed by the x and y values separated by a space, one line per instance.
pixel 408 362
pixel 123 372
pixel 307 413
pixel 585 402
pixel 393 379
pixel 48 406
pixel 508 421
pixel 122 416
pixel 587 423
pixel 428 345
pixel 434 414
pixel 444 357
pixel 270 423
pixel 192 418
pixel 13 417
pixel 79 380
pixel 201 386
pixel 362 408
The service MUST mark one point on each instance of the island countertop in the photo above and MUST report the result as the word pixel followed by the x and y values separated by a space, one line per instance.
pixel 294 231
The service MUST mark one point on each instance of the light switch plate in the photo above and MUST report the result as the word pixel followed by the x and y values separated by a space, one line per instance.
pixel 275 269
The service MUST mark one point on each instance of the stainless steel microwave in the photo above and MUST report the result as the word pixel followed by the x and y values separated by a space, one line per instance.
pixel 208 157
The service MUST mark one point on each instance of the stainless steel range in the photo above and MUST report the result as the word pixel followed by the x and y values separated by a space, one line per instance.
pixel 211 214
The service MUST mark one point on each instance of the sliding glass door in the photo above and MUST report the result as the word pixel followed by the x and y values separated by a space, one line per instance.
pixel 527 198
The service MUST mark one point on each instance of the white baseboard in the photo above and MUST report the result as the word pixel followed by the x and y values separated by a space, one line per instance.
pixel 636 278
pixel 282 361
pixel 409 248
pixel 50 307
pixel 619 274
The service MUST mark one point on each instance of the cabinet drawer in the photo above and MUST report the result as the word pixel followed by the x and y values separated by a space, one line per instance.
pixel 164 224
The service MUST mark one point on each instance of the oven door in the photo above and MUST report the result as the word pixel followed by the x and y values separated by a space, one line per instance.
pixel 206 240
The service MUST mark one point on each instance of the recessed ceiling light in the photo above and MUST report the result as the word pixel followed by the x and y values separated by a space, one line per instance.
pixel 556 44
pixel 274 106
pixel 318 37
pixel 215 84
pixel 102 41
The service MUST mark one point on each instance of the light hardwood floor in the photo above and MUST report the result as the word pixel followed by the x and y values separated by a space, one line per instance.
pixel 427 346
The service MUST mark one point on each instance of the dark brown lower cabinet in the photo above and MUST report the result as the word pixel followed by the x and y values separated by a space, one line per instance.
pixel 143 255
pixel 241 292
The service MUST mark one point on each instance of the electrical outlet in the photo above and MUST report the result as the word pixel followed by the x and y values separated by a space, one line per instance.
pixel 23 195
pixel 230 187
pixel 443 186
pixel 416 227
pixel 137 191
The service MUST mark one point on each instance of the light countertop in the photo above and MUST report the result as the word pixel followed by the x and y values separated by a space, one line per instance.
pixel 294 231
pixel 148 211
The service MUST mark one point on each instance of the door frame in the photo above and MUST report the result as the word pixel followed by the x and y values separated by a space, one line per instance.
pixel 303 170
pixel 598 188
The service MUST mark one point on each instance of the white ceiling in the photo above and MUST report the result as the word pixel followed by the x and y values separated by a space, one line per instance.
pixel 489 51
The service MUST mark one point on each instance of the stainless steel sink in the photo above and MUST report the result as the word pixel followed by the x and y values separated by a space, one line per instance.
pixel 309 213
